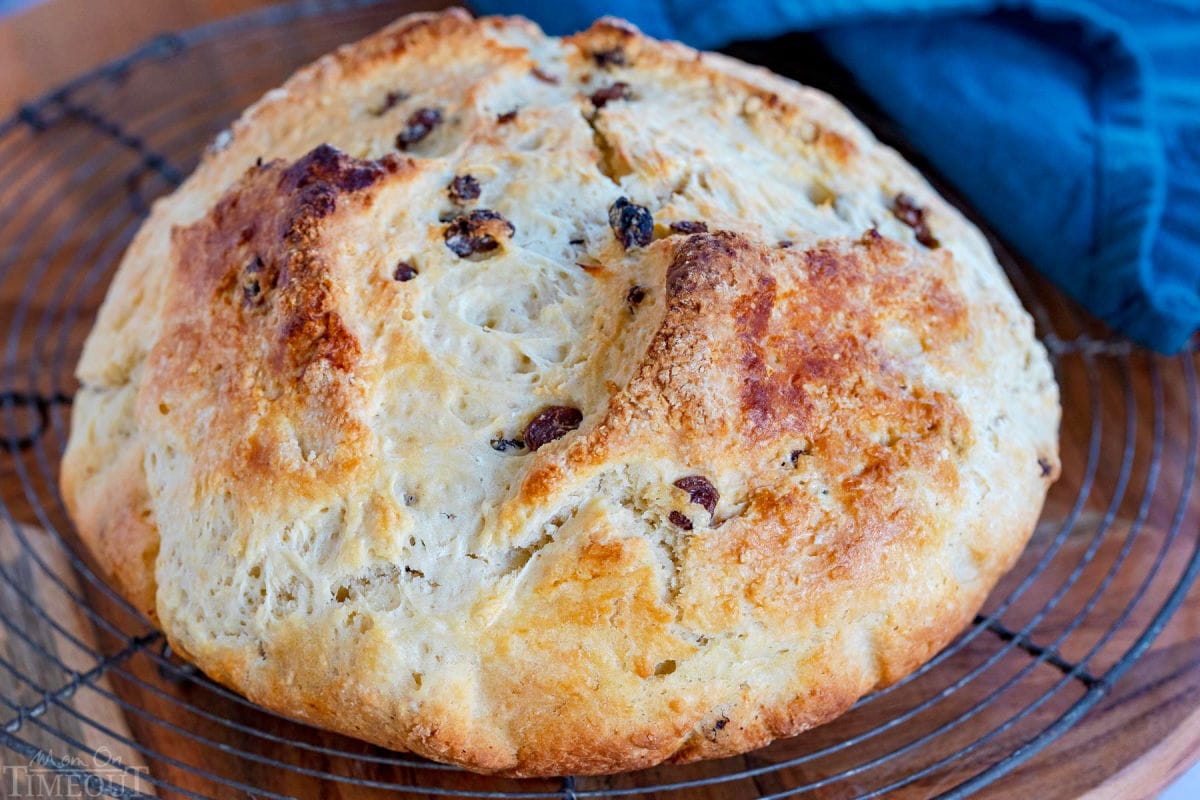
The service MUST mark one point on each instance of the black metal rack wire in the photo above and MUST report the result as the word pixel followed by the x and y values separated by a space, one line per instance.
pixel 1113 559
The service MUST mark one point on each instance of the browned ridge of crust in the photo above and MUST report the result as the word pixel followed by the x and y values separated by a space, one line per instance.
pixel 749 483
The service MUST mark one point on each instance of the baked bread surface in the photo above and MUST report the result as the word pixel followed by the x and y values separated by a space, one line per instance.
pixel 513 473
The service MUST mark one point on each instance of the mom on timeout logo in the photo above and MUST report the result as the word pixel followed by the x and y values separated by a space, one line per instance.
pixel 49 775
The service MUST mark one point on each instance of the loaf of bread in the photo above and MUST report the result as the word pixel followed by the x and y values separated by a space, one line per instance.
pixel 554 406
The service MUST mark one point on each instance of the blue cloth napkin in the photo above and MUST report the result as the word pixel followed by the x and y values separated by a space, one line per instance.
pixel 1072 125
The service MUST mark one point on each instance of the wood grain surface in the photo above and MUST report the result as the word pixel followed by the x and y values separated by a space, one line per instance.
pixel 161 716
pixel 53 41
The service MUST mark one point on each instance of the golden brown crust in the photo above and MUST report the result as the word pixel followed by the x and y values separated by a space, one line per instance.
pixel 794 451
pixel 118 529
pixel 104 487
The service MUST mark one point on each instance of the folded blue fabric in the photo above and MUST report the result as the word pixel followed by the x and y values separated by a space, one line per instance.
pixel 1072 125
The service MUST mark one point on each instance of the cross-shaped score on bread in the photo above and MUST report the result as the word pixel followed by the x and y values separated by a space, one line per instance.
pixel 557 406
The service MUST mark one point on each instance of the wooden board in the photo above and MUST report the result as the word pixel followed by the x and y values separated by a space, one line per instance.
pixel 1133 743
pixel 52 42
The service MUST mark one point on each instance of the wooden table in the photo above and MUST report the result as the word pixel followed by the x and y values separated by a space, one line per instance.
pixel 1139 738
pixel 48 43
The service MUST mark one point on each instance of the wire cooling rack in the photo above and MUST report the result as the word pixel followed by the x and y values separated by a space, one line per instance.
pixel 92 695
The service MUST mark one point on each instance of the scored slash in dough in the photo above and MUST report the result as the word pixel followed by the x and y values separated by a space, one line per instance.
pixel 299 442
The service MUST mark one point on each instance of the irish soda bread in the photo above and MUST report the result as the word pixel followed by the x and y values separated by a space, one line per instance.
pixel 557 406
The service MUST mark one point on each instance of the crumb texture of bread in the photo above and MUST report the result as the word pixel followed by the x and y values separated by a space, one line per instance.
pixel 555 406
